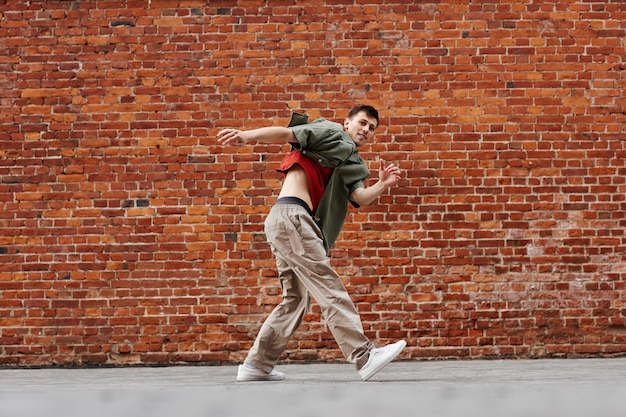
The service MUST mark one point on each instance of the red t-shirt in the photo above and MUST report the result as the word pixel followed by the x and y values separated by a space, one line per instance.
pixel 316 174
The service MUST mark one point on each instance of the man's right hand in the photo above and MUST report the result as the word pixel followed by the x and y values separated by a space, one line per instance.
pixel 233 137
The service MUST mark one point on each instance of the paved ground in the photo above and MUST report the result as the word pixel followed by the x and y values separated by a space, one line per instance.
pixel 533 388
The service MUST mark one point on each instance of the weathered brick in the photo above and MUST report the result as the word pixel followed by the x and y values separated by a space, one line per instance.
pixel 125 221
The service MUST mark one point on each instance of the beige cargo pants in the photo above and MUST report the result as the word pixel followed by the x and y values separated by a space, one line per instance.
pixel 304 271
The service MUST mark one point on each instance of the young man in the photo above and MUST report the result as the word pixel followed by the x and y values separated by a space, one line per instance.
pixel 323 172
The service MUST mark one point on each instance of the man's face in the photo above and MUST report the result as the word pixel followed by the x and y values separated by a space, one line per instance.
pixel 360 128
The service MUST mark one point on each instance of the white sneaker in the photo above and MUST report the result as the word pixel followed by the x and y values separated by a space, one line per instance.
pixel 379 358
pixel 249 373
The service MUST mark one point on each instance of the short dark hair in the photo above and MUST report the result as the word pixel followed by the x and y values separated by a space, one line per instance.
pixel 369 110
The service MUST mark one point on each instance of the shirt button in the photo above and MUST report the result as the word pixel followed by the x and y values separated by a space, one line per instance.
pixel 303 152
pixel 319 160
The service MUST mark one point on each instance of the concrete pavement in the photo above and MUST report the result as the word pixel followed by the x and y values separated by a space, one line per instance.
pixel 511 388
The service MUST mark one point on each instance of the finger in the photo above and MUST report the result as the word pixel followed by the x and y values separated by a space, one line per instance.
pixel 228 137
pixel 223 132
pixel 227 134
pixel 221 135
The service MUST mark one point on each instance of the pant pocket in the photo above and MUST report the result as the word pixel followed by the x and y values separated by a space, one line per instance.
pixel 283 234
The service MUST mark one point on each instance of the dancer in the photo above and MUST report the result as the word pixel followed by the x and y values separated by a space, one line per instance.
pixel 322 174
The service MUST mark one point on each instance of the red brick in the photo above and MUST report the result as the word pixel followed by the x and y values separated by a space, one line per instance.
pixel 123 218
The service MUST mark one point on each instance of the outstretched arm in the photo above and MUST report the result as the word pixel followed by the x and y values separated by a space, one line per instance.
pixel 272 134
pixel 387 177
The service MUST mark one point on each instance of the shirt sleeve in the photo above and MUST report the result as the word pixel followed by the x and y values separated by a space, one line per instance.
pixel 354 186
pixel 320 135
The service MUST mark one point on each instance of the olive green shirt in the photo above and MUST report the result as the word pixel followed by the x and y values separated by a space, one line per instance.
pixel 329 145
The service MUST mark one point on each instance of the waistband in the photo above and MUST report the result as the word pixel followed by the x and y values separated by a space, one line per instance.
pixel 296 201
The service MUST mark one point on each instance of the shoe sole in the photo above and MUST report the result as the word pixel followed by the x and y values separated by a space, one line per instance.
pixel 385 363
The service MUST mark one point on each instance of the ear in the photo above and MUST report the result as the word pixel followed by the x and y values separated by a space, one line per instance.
pixel 346 123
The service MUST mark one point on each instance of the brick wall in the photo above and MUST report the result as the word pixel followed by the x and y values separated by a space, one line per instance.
pixel 128 235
